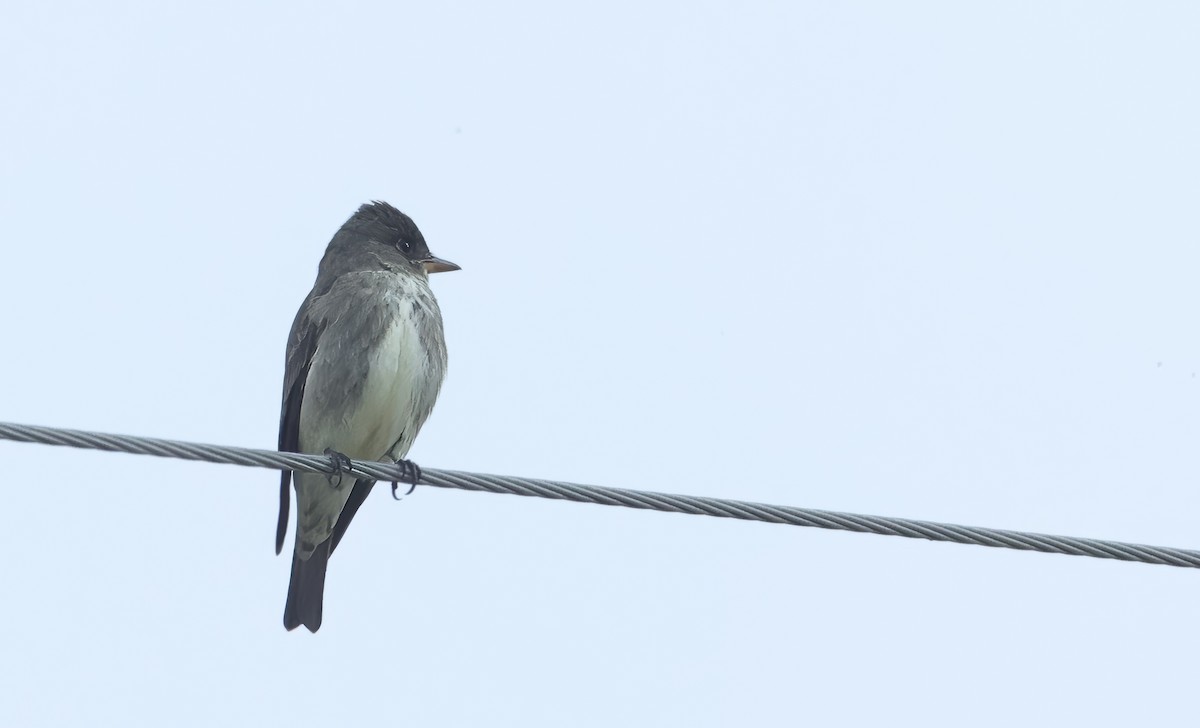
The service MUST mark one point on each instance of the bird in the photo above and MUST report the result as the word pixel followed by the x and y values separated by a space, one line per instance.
pixel 365 361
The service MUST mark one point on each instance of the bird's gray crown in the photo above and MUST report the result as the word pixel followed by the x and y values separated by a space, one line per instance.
pixel 380 222
pixel 376 236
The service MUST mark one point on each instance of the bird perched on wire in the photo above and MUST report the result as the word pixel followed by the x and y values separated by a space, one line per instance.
pixel 365 360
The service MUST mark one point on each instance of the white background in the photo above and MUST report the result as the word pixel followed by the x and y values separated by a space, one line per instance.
pixel 933 260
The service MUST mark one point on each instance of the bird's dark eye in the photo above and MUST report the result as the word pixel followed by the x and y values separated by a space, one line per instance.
pixel 404 245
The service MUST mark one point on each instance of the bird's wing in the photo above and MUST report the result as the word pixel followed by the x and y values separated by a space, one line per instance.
pixel 362 488
pixel 302 343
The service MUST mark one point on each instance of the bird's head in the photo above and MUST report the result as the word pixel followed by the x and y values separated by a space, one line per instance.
pixel 384 233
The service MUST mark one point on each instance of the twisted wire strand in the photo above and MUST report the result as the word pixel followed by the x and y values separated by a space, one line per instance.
pixel 646 500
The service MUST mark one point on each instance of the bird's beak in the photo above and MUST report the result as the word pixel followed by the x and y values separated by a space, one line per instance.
pixel 437 265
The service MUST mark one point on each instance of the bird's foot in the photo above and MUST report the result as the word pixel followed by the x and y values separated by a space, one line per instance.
pixel 412 471
pixel 341 463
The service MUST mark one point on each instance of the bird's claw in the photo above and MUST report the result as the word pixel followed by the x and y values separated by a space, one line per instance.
pixel 341 463
pixel 413 471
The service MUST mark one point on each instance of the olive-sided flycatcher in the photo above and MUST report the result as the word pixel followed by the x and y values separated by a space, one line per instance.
pixel 365 360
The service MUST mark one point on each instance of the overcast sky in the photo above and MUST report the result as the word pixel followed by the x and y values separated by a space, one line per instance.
pixel 931 260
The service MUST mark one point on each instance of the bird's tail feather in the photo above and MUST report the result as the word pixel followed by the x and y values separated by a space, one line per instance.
pixel 306 592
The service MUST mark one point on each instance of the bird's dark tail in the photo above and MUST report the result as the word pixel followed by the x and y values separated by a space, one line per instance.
pixel 306 592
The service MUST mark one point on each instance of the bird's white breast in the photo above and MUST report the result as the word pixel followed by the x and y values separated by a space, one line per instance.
pixel 382 347
pixel 396 373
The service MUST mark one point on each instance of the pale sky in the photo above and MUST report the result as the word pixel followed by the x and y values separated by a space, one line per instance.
pixel 929 260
